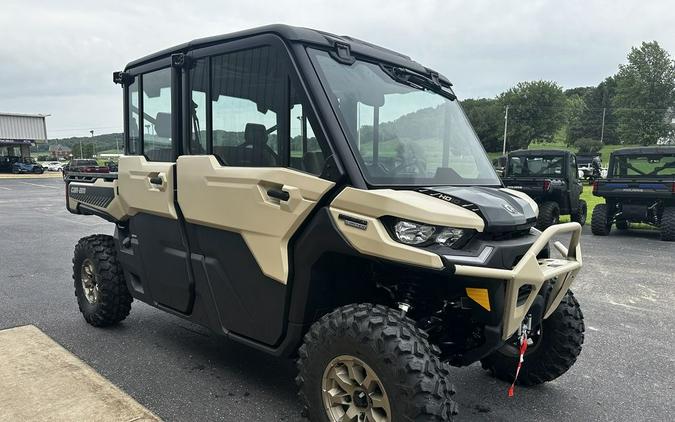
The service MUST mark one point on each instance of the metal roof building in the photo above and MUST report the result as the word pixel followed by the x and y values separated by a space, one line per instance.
pixel 23 127
pixel 19 131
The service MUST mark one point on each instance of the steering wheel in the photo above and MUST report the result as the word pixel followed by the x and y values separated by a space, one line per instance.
pixel 418 163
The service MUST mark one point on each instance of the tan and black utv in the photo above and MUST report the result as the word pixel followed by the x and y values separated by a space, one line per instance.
pixel 316 196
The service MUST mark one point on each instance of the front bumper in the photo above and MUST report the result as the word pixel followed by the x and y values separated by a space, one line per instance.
pixel 534 272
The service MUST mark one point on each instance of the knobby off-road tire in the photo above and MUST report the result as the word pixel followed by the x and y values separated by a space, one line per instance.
pixel 549 215
pixel 100 288
pixel 580 215
pixel 554 352
pixel 599 224
pixel 668 224
pixel 411 375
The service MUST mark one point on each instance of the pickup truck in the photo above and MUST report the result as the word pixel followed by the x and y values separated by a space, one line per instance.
pixel 639 188
pixel 84 166
pixel 551 178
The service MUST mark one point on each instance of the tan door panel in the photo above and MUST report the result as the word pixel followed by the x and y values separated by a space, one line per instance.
pixel 138 190
pixel 236 199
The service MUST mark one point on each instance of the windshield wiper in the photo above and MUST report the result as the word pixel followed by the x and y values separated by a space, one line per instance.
pixel 417 81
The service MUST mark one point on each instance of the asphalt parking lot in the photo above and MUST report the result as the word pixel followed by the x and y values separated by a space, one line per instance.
pixel 182 373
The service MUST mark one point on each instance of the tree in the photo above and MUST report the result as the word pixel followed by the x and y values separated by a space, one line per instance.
pixel 575 107
pixel 645 91
pixel 536 112
pixel 87 151
pixel 589 123
pixel 487 118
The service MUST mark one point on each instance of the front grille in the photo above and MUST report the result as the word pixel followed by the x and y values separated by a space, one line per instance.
pixel 505 235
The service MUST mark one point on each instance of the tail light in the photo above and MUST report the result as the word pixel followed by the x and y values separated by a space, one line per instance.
pixel 595 186
pixel 672 188
pixel 547 185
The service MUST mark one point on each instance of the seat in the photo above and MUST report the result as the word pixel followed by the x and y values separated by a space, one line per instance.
pixel 313 162
pixel 255 151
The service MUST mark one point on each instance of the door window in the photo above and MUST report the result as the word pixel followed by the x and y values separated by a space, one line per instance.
pixel 306 152
pixel 247 112
pixel 156 128
pixel 249 98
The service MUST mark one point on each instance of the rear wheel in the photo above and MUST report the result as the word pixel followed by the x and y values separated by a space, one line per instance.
pixel 100 288
pixel 580 215
pixel 668 224
pixel 554 348
pixel 371 363
pixel 599 224
pixel 549 214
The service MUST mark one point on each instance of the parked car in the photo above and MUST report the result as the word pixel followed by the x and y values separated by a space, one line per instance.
pixel 640 188
pixel 53 166
pixel 551 178
pixel 86 165
pixel 27 165
pixel 7 162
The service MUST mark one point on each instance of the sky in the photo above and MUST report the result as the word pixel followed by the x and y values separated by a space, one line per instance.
pixel 57 57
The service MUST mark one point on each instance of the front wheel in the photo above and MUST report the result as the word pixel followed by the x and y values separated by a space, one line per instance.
pixel 100 287
pixel 554 348
pixel 371 363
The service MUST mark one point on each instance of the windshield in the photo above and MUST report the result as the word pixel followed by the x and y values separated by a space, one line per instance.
pixel 402 134
pixel 643 165
pixel 545 165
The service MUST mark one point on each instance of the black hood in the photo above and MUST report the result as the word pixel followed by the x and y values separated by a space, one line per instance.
pixel 500 210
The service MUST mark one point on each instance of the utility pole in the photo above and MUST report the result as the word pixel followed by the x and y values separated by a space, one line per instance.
pixel 506 125
pixel 602 129
pixel 93 146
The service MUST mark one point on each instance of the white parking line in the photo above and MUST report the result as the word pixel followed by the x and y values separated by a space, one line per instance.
pixel 41 186
pixel 2 187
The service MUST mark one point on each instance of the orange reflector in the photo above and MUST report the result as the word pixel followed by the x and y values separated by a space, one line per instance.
pixel 480 296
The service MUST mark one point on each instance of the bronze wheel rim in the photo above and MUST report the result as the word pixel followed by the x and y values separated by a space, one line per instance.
pixel 89 283
pixel 352 391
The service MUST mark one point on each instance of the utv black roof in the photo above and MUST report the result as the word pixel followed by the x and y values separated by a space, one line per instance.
pixel 661 150
pixel 538 152
pixel 301 35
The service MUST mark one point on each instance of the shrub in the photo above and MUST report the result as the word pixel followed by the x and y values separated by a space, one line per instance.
pixel 586 145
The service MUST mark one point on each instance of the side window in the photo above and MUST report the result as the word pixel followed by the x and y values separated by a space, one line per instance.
pixel 249 98
pixel 574 172
pixel 133 131
pixel 157 115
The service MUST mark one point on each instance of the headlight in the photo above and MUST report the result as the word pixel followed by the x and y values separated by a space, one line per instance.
pixel 412 233
pixel 449 236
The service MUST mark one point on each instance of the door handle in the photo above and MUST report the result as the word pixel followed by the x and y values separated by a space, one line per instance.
pixel 279 194
pixel 157 180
